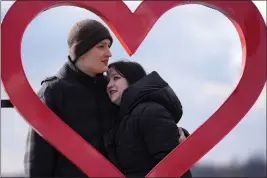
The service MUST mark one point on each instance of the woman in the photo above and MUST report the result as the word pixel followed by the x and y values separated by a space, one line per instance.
pixel 149 113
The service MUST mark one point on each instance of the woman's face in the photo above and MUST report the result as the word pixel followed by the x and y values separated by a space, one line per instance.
pixel 95 61
pixel 116 86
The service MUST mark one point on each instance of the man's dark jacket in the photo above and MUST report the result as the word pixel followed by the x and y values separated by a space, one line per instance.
pixel 82 103
pixel 148 130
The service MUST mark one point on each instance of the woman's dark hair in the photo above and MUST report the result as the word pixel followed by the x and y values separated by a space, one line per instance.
pixel 132 71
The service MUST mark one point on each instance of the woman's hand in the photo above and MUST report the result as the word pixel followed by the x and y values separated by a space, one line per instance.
pixel 182 136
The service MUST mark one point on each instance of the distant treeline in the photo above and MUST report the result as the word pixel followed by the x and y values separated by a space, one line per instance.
pixel 254 167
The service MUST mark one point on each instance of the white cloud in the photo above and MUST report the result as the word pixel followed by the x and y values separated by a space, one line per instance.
pixel 261 5
pixel 217 93
pixel 5 5
pixel 216 90
pixel 132 5
pixel 261 101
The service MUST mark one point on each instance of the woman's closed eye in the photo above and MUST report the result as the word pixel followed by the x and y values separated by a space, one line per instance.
pixel 116 78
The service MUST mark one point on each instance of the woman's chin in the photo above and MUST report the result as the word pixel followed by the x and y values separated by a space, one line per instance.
pixel 114 101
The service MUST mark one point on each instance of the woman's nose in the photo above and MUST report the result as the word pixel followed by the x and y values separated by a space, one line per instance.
pixel 109 85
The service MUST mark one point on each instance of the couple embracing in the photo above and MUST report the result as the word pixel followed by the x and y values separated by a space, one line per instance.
pixel 127 115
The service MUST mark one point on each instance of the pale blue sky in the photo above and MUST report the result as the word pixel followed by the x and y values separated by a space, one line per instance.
pixel 194 48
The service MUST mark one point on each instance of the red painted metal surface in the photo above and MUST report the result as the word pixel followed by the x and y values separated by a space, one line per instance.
pixel 131 29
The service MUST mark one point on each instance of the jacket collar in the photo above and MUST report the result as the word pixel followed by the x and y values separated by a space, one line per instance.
pixel 70 72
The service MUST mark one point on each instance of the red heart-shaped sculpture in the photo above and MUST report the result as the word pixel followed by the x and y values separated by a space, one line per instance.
pixel 244 15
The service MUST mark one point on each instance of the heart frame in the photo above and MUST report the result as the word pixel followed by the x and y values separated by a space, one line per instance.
pixel 245 17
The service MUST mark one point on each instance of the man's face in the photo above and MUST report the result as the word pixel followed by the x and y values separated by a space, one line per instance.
pixel 95 61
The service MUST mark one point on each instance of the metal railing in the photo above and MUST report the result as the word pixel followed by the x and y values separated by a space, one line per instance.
pixel 6 104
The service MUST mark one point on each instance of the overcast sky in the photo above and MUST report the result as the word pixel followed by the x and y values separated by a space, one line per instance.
pixel 194 48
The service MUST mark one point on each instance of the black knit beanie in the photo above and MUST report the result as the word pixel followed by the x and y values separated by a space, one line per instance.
pixel 84 35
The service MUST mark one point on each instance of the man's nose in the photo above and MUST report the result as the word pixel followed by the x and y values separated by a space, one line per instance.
pixel 108 52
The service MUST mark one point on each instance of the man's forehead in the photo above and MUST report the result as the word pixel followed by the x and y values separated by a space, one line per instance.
pixel 105 41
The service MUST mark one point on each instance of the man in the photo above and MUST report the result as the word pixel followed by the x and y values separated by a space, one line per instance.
pixel 77 95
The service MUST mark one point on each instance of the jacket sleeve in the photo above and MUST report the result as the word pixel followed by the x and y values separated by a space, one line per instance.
pixel 159 131
pixel 40 156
